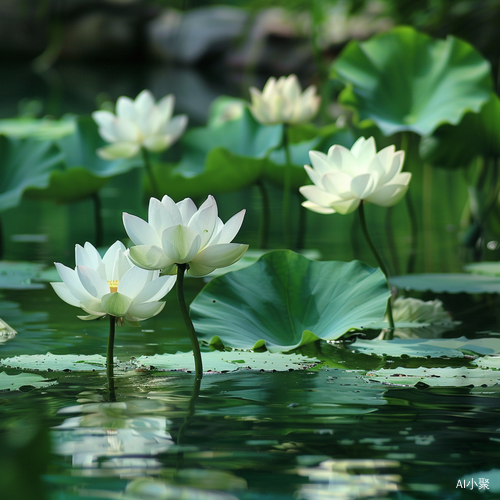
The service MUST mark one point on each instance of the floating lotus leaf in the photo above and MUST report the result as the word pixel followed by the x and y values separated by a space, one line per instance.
pixel 52 362
pixel 217 361
pixel 83 172
pixel 15 382
pixel 478 134
pixel 42 129
pixel 218 159
pixel 220 361
pixel 285 300
pixel 429 348
pixel 485 268
pixel 404 80
pixel 449 283
pixel 19 275
pixel 435 377
pixel 492 361
pixel 24 164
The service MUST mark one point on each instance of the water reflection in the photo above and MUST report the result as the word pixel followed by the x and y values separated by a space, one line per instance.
pixel 113 435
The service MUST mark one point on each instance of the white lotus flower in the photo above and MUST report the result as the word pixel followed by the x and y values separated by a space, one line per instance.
pixel 282 101
pixel 408 309
pixel 343 178
pixel 179 233
pixel 139 124
pixel 111 285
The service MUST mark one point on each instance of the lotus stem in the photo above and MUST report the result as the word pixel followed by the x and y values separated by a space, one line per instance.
pixel 302 226
pixel 265 215
pixel 181 269
pixel 98 223
pixel 389 234
pixel 287 191
pixel 380 262
pixel 149 170
pixel 109 355
pixel 412 258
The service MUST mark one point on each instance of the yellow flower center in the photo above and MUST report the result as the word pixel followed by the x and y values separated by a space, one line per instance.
pixel 113 285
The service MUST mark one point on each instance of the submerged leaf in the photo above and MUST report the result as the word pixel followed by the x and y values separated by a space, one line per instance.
pixel 15 382
pixel 285 300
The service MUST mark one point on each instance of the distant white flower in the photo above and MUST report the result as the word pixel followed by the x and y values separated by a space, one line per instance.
pixel 139 124
pixel 408 309
pixel 179 233
pixel 344 178
pixel 111 285
pixel 282 101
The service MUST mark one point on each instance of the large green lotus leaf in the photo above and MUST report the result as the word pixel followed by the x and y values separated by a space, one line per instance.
pixel 435 377
pixel 218 159
pixel 420 348
pixel 224 172
pixel 83 172
pixel 449 283
pixel 220 361
pixel 42 129
pixel 285 300
pixel 15 382
pixel 404 80
pixel 478 134
pixel 251 257
pixel 485 268
pixel 25 163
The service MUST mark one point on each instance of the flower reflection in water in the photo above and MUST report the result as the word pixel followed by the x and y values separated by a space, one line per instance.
pixel 114 435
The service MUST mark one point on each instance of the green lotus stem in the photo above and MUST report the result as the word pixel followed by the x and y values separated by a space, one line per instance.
pixel 381 264
pixel 98 223
pixel 109 354
pixel 265 215
pixel 149 170
pixel 427 217
pixel 287 191
pixel 181 269
pixel 389 234
pixel 302 226
pixel 412 258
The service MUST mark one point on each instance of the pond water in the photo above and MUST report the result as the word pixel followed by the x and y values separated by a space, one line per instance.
pixel 316 433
